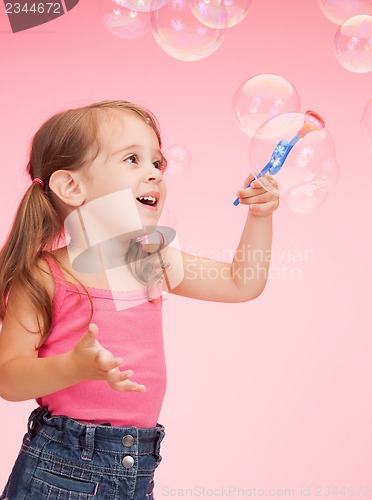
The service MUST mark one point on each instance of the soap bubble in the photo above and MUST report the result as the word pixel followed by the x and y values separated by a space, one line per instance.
pixel 306 197
pixel 178 159
pixel 366 126
pixel 140 5
pixel 167 219
pixel 353 44
pixel 180 34
pixel 338 11
pixel 262 97
pixel 211 13
pixel 220 13
pixel 272 142
pixel 124 22
pixel 327 174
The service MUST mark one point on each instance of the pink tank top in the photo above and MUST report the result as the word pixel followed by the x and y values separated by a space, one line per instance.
pixel 133 333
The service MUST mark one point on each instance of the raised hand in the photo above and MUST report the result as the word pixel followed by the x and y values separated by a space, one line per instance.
pixel 91 361
pixel 261 202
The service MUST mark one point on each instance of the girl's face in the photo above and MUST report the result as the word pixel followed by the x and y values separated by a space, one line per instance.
pixel 129 158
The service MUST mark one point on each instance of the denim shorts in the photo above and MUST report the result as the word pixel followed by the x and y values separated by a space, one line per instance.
pixel 62 459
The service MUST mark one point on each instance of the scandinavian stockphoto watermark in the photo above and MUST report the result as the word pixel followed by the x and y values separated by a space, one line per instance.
pixel 250 263
pixel 102 240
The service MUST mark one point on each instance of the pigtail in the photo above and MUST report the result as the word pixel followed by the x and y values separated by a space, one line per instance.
pixel 35 226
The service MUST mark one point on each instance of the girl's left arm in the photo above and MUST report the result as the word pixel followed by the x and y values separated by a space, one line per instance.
pixel 245 277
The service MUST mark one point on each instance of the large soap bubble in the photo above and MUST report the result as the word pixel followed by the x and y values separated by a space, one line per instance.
pixel 261 98
pixel 220 13
pixel 338 11
pixel 289 150
pixel 353 44
pixel 122 21
pixel 366 126
pixel 180 34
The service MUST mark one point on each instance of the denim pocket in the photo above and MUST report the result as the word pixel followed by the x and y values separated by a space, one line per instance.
pixel 52 485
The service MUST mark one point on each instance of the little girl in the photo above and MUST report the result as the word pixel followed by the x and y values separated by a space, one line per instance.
pixel 65 333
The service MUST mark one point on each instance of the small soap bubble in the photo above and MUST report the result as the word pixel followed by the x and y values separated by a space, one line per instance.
pixel 353 44
pixel 290 159
pixel 262 97
pixel 178 159
pixel 220 13
pixel 124 22
pixel 338 11
pixel 366 126
pixel 167 219
pixel 180 34
pixel 305 198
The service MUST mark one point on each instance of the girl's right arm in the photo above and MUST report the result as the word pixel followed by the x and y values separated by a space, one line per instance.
pixel 23 375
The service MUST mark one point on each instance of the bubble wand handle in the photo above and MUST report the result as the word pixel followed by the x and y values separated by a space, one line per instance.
pixel 312 122
pixel 276 162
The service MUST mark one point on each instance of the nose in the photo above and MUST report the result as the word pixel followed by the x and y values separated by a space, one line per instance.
pixel 154 174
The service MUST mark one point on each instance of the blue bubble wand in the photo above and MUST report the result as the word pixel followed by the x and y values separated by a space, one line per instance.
pixel 312 122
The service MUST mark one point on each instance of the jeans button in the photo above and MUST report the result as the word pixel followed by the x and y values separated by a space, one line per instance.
pixel 128 440
pixel 128 462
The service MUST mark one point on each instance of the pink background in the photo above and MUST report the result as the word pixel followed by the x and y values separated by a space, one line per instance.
pixel 273 393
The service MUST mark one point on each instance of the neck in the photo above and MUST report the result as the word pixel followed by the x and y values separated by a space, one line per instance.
pixel 113 253
pixel 100 257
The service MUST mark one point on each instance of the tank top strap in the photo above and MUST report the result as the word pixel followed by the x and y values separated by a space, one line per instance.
pixel 56 270
pixel 60 281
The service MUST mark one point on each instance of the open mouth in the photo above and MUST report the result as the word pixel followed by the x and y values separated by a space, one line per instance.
pixel 149 201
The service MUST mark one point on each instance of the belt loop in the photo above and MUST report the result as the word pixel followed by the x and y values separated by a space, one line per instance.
pixel 35 420
pixel 88 449
pixel 160 437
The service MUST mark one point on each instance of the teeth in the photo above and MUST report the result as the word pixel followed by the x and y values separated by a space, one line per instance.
pixel 149 198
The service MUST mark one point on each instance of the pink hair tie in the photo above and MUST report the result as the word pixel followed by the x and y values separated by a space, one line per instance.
pixel 39 181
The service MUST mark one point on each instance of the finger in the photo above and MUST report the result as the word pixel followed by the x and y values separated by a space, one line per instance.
pixel 248 179
pixel 256 184
pixel 111 364
pixel 247 192
pixel 271 183
pixel 265 208
pixel 138 387
pixel 115 375
pixel 90 336
pixel 128 386
pixel 106 360
pixel 259 198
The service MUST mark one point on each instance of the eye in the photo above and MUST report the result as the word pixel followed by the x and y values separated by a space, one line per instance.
pixel 161 164
pixel 131 159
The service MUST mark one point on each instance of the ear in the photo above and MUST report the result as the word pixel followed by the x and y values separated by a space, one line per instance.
pixel 68 186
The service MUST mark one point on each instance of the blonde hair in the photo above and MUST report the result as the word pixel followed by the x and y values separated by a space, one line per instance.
pixel 69 140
